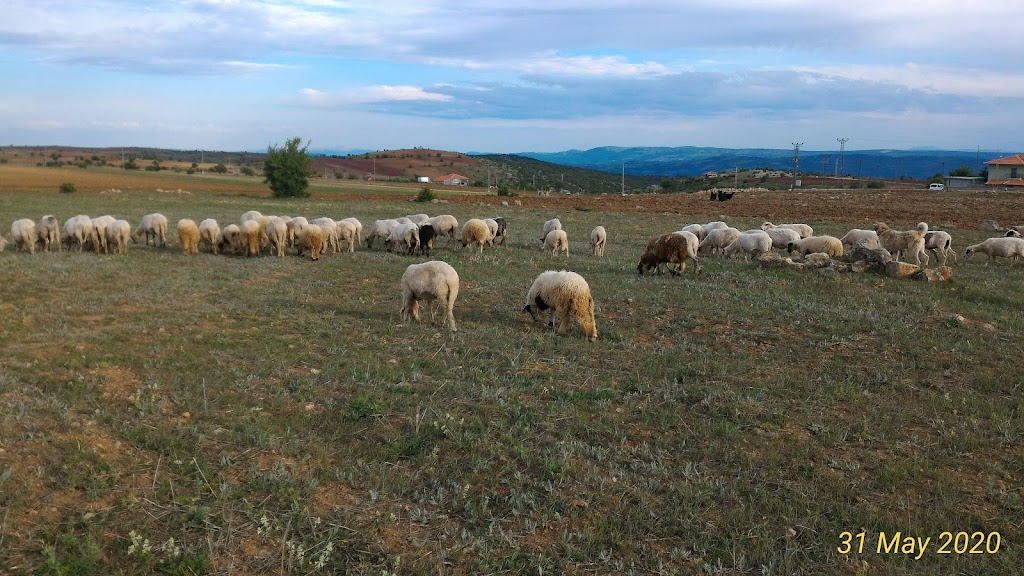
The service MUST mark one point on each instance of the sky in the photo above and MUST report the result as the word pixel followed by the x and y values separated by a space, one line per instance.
pixel 513 76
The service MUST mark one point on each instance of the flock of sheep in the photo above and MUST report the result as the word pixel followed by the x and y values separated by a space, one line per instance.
pixel 562 295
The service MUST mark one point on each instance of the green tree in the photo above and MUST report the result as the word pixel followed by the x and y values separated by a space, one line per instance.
pixel 220 169
pixel 964 170
pixel 247 171
pixel 286 169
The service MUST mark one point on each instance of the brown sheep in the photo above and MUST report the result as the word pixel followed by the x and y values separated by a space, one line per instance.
pixel 668 248
pixel 311 238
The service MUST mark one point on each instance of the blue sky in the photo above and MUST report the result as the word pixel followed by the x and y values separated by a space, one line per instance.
pixel 516 76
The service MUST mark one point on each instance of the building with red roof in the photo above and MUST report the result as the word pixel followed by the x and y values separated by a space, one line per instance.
pixel 1008 171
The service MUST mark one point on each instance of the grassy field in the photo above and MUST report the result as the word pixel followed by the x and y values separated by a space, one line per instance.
pixel 212 414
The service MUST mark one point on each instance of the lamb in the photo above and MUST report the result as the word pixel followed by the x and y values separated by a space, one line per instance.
pixel 188 234
pixel 717 239
pixel 119 233
pixel 598 239
pixel 911 241
pixel 99 225
pixel 347 234
pixel 940 242
pixel 829 245
pixel 24 234
pixel 750 243
pixel 557 241
pixel 426 238
pixel 230 237
pixel 432 281
pixel 277 233
pixel 804 230
pixel 311 238
pixel 672 248
pixel 78 231
pixel 250 237
pixel 553 224
pixel 567 295
pixel 153 226
pixel 380 229
pixel 359 229
pixel 866 238
pixel 781 237
pixel 445 225
pixel 474 231
pixel 294 225
pixel 209 235
pixel 417 218
pixel 1003 247
pixel 48 230
pixel 404 238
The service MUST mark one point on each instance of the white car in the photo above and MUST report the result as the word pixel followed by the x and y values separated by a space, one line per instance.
pixel 936 187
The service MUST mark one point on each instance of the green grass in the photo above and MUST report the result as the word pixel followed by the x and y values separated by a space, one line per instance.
pixel 256 410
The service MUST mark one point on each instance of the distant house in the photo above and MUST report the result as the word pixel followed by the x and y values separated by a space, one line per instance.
pixel 453 180
pixel 964 182
pixel 710 174
pixel 423 179
pixel 1008 171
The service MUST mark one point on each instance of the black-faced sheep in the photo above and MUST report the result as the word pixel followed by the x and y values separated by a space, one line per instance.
pixel 567 296
pixel 900 241
pixel 48 230
pixel 23 232
pixel 672 248
pixel 154 226
pixel 598 239
pixel 188 235
pixel 1004 247
pixel 556 241
pixel 475 231
pixel 432 281
pixel 426 238
pixel 824 244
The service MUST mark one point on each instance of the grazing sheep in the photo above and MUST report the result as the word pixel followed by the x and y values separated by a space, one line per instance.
pixel 566 295
pixel 556 241
pixel 417 218
pixel 426 238
pixel 359 229
pixel 1003 247
pixel 78 231
pixel 311 238
pixel 381 229
pixel 492 230
pixel 716 225
pixel 750 243
pixel 188 234
pixel 99 226
pixel 717 239
pixel 230 238
pixel 940 242
pixel 277 233
pixel 804 230
pixel 432 281
pixel 474 231
pixel 24 234
pixel 673 248
pixel 294 225
pixel 691 238
pixel 781 237
pixel 250 238
pixel 153 226
pixel 48 230
pixel 866 238
pixel 330 228
pixel 553 224
pixel 209 235
pixel 445 225
pixel 695 229
pixel 825 244
pixel 899 241
pixel 119 233
pixel 250 215
pixel 347 235
pixel 404 238
pixel 598 239
pixel 502 229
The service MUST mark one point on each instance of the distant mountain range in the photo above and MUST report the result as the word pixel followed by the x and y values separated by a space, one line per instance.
pixel 694 160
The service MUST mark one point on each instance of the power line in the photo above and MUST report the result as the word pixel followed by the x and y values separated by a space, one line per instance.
pixel 842 153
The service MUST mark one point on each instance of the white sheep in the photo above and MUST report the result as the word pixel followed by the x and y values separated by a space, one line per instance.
pixel 492 231
pixel 209 235
pixel 716 225
pixel 417 218
pixel 250 238
pixel 359 229
pixel 230 238
pixel 475 231
pixel 294 225
pixel 781 237
pixel 553 224
pixel 404 238
pixel 567 296
pixel 598 240
pixel 99 226
pixel 380 229
pixel 445 225
pixel 154 226
pixel 940 242
pixel 692 241
pixel 1003 247
pixel 330 228
pixel 825 244
pixel 432 281
pixel 78 232
pixel 717 239
pixel 119 233
pixel 23 232
pixel 750 243
pixel 348 235
pixel 804 230
pixel 695 229
pixel 277 233
pixel 188 235
pixel 556 241
pixel 311 238
pixel 48 230
pixel 250 215
pixel 866 238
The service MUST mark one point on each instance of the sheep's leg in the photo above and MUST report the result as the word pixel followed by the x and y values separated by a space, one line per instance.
pixel 563 321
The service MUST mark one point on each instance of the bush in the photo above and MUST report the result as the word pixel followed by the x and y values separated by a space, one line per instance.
pixel 220 169
pixel 247 171
pixel 426 195
pixel 286 169
pixel 876 184
pixel 67 188
pixel 504 190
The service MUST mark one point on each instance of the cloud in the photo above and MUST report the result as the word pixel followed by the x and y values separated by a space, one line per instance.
pixel 370 95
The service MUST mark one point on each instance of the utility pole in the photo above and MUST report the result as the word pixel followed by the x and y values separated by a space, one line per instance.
pixel 824 165
pixel 623 178
pixel 374 168
pixel 736 178
pixel 842 155
pixel 796 162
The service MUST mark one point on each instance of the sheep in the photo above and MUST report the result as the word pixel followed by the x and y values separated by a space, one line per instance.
pixel 417 218
pixel 1012 233
pixel 119 233
pixel 492 230
pixel 330 229
pixel 249 238
pixel 359 229
pixel 556 241
pixel 567 295
pixel 866 238
pixel 188 234
pixel 48 230
pixel 804 230
pixel 898 241
pixel 294 225
pixel 669 248
pixel 691 239
pixel 716 225
pixel 380 229
pixel 781 237
pixel 825 244
pixel 277 233
pixel 403 220
pixel 347 234
pixel 209 235
pixel 940 242
pixel 750 243
pixel 717 239
pixel 99 226
pixel 426 238
pixel 250 215
pixel 1003 247
pixel 230 237
pixel 553 224
pixel 311 238
pixel 502 229
pixel 24 234
pixel 153 226
pixel 695 229
pixel 404 238
pixel 78 231
pixel 432 281
pixel 474 231
pixel 445 225
pixel 598 239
